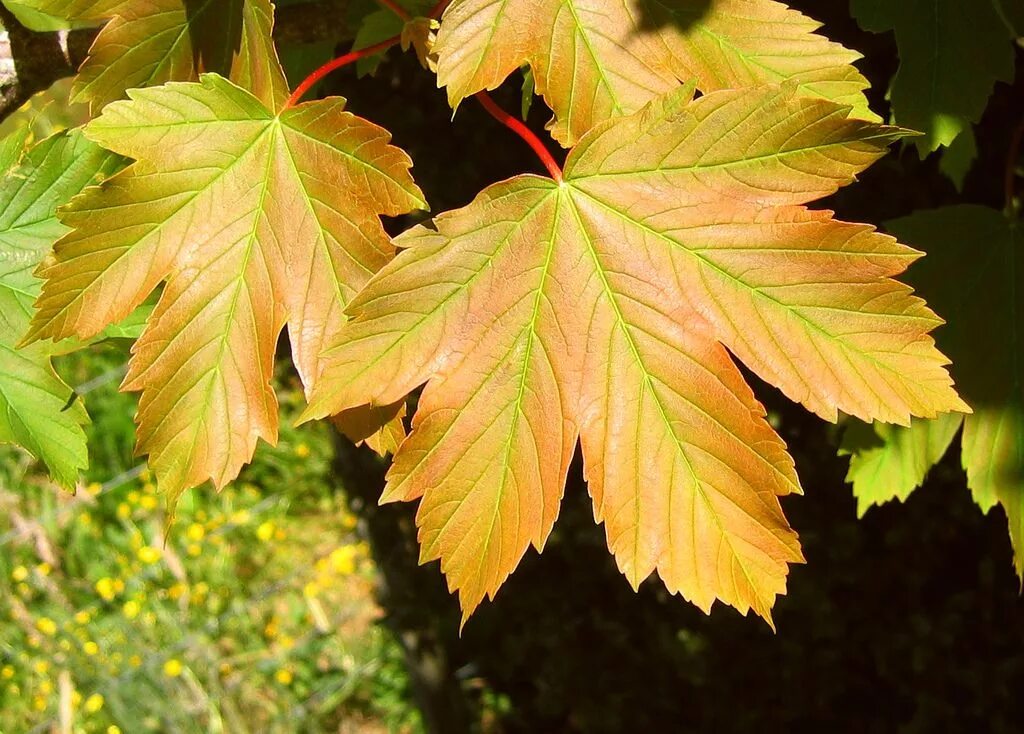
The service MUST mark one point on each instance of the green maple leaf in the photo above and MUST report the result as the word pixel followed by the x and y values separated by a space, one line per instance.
pixel 253 220
pixel 973 275
pixel 600 309
pixel 34 403
pixel 952 52
pixel 149 43
pixel 593 59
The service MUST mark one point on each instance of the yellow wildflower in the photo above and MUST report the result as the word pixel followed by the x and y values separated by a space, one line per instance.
pixel 195 532
pixel 176 591
pixel 85 519
pixel 148 502
pixel 113 729
pixel 82 617
pixel 76 699
pixel 90 648
pixel 39 703
pixel 131 609
pixel 194 550
pixel 105 588
pixel 173 668
pixel 343 560
pixel 94 489
pixel 123 511
pixel 6 672
pixel 149 554
pixel 19 574
pixel 41 667
pixel 44 569
pixel 311 589
pixel 24 589
pixel 241 517
pixel 47 626
pixel 302 451
pixel 265 531
pixel 280 534
pixel 94 703
pixel 145 475
pixel 64 645
pixel 135 661
pixel 284 676
pixel 46 687
pixel 118 585
pixel 133 497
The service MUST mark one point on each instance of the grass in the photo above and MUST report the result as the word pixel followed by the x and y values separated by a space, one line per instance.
pixel 254 613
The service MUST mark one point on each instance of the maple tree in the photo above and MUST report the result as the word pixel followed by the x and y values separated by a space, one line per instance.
pixel 606 304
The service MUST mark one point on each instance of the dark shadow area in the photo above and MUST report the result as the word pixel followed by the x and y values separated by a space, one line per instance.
pixel 666 13
pixel 215 29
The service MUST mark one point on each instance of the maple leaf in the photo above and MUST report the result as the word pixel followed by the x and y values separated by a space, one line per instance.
pixel 149 43
pixel 952 52
pixel 985 305
pixel 593 59
pixel 34 402
pixel 601 308
pixel 254 220
pixel 889 462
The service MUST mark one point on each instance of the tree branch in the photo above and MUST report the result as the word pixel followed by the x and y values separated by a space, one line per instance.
pixel 30 62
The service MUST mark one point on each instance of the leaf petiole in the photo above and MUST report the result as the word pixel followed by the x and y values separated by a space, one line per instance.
pixel 310 81
pixel 522 131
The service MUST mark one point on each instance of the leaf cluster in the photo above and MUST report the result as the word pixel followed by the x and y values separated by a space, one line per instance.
pixel 606 305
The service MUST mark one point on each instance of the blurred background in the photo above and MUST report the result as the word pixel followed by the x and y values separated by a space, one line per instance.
pixel 292 603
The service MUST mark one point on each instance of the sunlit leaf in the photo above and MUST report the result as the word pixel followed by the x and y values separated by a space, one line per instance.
pixel 594 59
pixel 253 220
pixel 601 309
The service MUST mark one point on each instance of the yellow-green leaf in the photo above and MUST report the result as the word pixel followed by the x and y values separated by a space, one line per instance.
pixel 600 309
pixel 889 462
pixel 253 221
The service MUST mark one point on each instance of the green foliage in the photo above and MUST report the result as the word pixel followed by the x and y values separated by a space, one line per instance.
pixel 984 304
pixel 952 52
pixel 36 409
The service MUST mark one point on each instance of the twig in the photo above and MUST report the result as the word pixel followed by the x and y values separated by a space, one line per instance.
pixel 524 132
